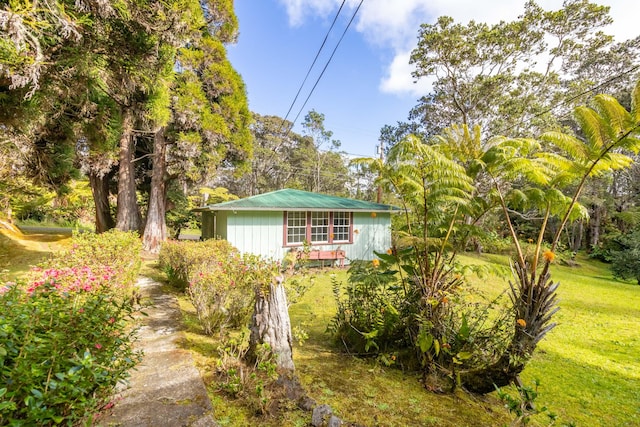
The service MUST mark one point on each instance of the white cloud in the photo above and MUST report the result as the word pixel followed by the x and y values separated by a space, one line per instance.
pixel 394 25
pixel 398 79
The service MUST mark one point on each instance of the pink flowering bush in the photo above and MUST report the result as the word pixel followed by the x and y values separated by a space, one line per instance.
pixel 115 253
pixel 75 279
pixel 65 342
pixel 66 337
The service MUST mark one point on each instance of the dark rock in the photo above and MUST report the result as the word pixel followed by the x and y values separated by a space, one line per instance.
pixel 320 413
pixel 334 421
pixel 306 403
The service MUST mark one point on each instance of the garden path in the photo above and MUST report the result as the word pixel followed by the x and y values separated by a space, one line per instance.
pixel 166 390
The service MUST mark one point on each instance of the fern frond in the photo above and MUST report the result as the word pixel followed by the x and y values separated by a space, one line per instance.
pixel 593 128
pixel 616 118
pixel 569 144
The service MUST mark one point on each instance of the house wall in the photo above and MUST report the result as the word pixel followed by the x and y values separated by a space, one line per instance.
pixel 373 234
pixel 256 232
pixel 208 224
pixel 261 233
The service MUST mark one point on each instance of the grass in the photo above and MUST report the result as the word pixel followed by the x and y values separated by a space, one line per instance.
pixel 19 251
pixel 588 366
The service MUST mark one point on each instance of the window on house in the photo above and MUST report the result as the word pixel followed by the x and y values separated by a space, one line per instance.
pixel 318 227
pixel 296 227
pixel 341 226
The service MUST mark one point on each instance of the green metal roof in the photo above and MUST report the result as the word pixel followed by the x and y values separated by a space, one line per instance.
pixel 298 200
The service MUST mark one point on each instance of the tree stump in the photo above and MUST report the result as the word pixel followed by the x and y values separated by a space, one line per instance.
pixel 271 325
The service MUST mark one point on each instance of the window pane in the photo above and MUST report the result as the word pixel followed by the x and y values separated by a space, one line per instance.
pixel 319 227
pixel 296 227
pixel 341 226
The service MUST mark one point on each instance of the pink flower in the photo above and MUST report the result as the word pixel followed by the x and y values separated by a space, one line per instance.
pixel 98 346
pixel 81 310
pixel 112 320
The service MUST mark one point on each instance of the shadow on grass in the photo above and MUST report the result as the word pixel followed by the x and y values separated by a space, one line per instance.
pixel 17 255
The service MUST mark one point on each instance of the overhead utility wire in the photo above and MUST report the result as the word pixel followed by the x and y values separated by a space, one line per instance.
pixel 574 97
pixel 335 18
pixel 325 66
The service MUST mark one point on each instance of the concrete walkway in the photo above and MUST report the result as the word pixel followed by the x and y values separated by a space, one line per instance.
pixel 166 390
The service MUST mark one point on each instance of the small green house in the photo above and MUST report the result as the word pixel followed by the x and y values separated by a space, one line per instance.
pixel 272 224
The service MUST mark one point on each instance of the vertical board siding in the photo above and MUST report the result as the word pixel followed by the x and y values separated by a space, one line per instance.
pixel 261 233
pixel 374 234
pixel 257 232
pixel 221 225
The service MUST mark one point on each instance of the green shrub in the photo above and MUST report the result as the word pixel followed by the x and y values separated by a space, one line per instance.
pixel 180 260
pixel 381 312
pixel 117 250
pixel 625 262
pixel 220 282
pixel 65 342
pixel 369 318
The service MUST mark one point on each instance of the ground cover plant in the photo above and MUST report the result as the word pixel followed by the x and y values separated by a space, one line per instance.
pixel 586 367
pixel 66 334
pixel 408 302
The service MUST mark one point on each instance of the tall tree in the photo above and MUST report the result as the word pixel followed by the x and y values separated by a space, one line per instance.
pixel 505 77
pixel 324 167
pixel 200 112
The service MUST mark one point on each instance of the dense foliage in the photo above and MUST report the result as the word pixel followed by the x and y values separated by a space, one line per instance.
pixel 66 333
pixel 220 282
pixel 625 260
pixel 414 307
pixel 175 87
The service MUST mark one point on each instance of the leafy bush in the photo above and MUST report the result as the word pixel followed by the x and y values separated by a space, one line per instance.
pixel 382 313
pixel 625 262
pixel 65 342
pixel 369 318
pixel 492 243
pixel 220 282
pixel 118 251
pixel 181 260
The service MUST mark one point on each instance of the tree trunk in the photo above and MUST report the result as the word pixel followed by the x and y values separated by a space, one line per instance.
pixel 271 325
pixel 128 218
pixel 155 231
pixel 595 222
pixel 534 301
pixel 100 189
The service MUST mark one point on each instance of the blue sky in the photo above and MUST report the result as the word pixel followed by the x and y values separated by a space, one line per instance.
pixel 368 82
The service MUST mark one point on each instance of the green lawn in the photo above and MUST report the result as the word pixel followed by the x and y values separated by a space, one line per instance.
pixel 588 366
pixel 365 392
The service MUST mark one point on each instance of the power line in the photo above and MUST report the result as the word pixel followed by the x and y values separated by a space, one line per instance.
pixel 326 65
pixel 335 18
pixel 573 98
